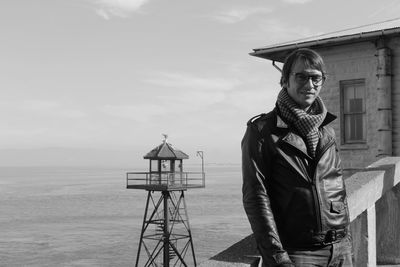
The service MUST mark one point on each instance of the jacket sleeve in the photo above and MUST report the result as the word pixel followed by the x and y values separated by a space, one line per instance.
pixel 256 201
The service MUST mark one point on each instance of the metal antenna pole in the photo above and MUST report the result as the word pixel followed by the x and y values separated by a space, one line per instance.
pixel 201 155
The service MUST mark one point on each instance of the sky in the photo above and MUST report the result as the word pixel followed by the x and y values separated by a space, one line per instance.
pixel 97 82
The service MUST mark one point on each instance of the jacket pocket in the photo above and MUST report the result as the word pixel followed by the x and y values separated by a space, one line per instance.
pixel 337 207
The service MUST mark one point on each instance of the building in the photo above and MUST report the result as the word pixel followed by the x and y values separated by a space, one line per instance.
pixel 362 89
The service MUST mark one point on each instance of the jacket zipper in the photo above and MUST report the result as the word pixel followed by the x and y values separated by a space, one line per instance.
pixel 314 187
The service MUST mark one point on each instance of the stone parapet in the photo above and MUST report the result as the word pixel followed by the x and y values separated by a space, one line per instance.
pixel 374 206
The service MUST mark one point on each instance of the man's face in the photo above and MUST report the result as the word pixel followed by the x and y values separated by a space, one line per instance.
pixel 304 84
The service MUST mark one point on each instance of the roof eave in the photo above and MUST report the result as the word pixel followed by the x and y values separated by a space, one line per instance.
pixel 279 52
pixel 166 158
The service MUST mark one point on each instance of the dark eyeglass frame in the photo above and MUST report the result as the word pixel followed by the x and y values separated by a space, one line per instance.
pixel 302 78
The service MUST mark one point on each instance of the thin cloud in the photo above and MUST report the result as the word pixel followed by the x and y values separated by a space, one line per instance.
pixel 41 109
pixel 297 1
pixel 235 15
pixel 138 112
pixel 174 94
pixel 165 106
pixel 387 10
pixel 186 81
pixel 50 109
pixel 276 32
pixel 38 105
pixel 117 8
pixel 72 114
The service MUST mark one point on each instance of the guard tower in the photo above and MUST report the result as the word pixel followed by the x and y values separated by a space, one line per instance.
pixel 165 238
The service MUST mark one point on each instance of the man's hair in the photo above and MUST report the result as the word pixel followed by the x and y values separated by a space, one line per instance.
pixel 309 57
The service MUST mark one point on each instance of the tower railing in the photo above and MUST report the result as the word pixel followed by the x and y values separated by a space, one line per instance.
pixel 165 180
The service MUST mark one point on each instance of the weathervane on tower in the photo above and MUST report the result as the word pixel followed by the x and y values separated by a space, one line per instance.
pixel 165 137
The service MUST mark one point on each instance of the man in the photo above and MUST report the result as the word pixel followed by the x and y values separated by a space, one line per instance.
pixel 293 189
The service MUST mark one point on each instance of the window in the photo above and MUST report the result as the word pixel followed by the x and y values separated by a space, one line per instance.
pixel 353 114
pixel 154 165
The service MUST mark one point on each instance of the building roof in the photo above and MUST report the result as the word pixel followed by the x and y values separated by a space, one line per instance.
pixel 165 151
pixel 278 52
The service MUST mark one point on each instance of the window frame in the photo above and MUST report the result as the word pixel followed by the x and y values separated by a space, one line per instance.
pixel 343 85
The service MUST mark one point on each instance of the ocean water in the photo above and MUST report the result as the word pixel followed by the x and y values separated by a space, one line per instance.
pixel 75 216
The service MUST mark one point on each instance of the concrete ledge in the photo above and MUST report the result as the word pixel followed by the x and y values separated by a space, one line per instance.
pixel 391 165
pixel 367 186
pixel 364 189
pixel 241 254
pixel 214 263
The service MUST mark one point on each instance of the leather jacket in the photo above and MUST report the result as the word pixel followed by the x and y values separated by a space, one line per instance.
pixel 292 200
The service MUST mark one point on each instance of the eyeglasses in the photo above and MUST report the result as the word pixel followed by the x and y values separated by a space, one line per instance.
pixel 301 78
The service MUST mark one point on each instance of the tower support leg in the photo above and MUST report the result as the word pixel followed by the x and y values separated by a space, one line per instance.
pixel 143 228
pixel 166 196
pixel 172 239
pixel 188 228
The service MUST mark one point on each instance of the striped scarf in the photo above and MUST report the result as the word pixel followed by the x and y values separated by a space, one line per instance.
pixel 306 123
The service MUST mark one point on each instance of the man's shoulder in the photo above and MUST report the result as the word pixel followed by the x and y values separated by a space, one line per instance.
pixel 260 120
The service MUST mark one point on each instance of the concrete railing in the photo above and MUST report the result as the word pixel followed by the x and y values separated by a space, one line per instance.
pixel 374 206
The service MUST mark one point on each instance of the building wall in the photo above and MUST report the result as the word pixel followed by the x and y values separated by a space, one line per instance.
pixel 394 45
pixel 349 62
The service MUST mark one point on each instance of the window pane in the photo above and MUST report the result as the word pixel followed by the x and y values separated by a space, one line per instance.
pixel 348 94
pixel 356 105
pixel 347 128
pixel 154 165
pixel 360 94
pixel 165 165
pixel 353 111
pixel 354 128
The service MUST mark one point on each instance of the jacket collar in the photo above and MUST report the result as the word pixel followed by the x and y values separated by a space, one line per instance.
pixel 328 118
pixel 296 140
pixel 280 123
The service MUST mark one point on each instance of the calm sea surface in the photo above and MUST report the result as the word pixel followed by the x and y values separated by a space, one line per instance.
pixel 85 217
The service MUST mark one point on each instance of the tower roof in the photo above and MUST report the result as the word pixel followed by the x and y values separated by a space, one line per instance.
pixel 165 151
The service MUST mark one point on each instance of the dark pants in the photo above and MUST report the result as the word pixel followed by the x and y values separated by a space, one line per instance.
pixel 335 255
